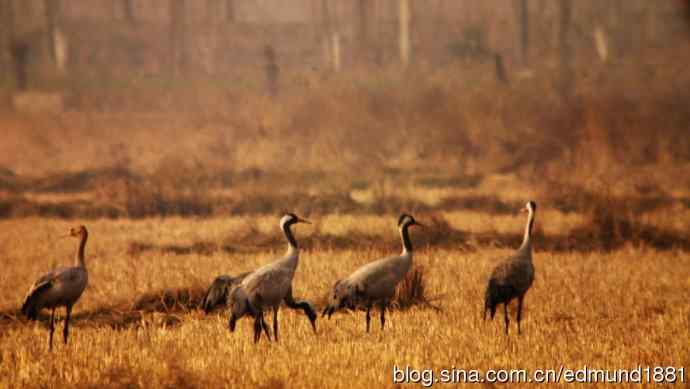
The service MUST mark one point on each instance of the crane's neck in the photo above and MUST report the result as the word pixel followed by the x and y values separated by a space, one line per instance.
pixel 527 239
pixel 79 256
pixel 405 236
pixel 292 243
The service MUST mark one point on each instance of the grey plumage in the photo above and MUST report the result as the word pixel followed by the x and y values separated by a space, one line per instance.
pixel 217 294
pixel 61 287
pixel 513 277
pixel 239 305
pixel 269 286
pixel 375 282
pixel 31 305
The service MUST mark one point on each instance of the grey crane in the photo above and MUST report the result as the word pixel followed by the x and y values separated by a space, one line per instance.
pixel 61 287
pixel 375 282
pixel 269 286
pixel 217 294
pixel 513 277
pixel 239 305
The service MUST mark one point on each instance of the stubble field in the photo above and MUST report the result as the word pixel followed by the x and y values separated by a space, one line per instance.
pixel 610 310
pixel 172 200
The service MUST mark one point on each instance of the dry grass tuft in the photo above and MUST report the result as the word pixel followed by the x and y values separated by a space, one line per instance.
pixel 412 291
pixel 613 222
pixel 170 300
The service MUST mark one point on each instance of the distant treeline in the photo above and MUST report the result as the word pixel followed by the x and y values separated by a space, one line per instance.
pixel 54 44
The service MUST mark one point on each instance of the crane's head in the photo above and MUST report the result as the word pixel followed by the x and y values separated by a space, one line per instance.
pixel 406 220
pixel 290 218
pixel 78 232
pixel 530 207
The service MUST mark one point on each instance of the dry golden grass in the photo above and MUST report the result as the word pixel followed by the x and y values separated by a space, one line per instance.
pixel 606 310
pixel 350 152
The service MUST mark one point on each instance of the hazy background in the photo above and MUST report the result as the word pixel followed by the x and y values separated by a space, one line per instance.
pixel 140 108
pixel 178 130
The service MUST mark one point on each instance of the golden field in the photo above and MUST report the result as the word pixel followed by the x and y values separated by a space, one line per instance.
pixel 611 310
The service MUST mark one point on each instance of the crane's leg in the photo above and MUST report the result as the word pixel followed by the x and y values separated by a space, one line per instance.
pixel 305 307
pixel 275 323
pixel 368 315
pixel 257 326
pixel 505 314
pixel 383 313
pixel 519 312
pixel 265 327
pixel 52 329
pixel 65 332
pixel 232 322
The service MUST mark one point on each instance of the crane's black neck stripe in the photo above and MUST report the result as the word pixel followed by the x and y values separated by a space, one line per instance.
pixel 407 244
pixel 531 224
pixel 80 250
pixel 288 234
pixel 532 214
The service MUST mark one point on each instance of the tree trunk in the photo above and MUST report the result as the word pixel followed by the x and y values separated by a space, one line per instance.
pixel 178 27
pixel 363 12
pixel 565 48
pixel 128 7
pixel 6 35
pixel 335 46
pixel 332 36
pixel 326 32
pixel 500 68
pixel 404 31
pixel 52 14
pixel 524 29
pixel 601 43
pixel 213 10
pixel 272 70
pixel 230 11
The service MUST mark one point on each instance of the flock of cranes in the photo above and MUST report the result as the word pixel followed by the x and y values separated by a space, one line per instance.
pixel 266 288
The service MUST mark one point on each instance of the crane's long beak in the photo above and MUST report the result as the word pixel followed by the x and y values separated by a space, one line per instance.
pixel 416 223
pixel 299 219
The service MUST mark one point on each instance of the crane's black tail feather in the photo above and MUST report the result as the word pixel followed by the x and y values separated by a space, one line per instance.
pixel 497 294
pixel 31 307
pixel 217 294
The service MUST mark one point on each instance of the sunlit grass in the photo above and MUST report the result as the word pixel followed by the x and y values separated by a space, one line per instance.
pixel 615 310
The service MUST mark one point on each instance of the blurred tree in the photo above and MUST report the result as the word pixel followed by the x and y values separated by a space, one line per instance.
pixel 230 11
pixel 128 8
pixel 404 31
pixel 52 15
pixel 20 57
pixel 363 14
pixel 565 48
pixel 178 32
pixel 272 71
pixel 6 36
pixel 501 75
pixel 331 33
pixel 524 28
pixel 214 10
